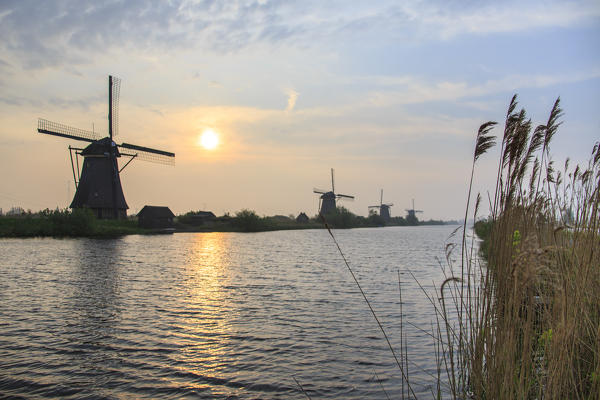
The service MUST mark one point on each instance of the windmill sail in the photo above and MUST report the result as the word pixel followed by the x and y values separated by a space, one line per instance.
pixel 148 154
pixel 56 129
pixel 114 90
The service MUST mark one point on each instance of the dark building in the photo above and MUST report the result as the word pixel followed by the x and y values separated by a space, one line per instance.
pixel 327 203
pixel 100 187
pixel 384 212
pixel 155 217
pixel 302 218
pixel 206 215
pixel 197 218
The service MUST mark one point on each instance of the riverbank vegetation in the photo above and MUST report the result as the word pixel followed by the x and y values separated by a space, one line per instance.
pixel 249 221
pixel 525 316
pixel 65 223
pixel 80 222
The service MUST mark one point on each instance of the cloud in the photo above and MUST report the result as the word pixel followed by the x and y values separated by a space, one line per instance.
pixel 66 32
pixel 292 97
pixel 414 90
pixel 523 17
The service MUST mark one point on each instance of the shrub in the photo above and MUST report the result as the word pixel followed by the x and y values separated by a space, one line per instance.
pixel 247 221
pixel 341 218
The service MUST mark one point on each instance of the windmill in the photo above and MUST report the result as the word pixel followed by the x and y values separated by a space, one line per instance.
pixel 328 198
pixel 384 209
pixel 98 186
pixel 411 216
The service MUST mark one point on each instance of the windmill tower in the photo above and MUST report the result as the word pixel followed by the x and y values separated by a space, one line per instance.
pixel 328 198
pixel 98 187
pixel 384 209
pixel 411 214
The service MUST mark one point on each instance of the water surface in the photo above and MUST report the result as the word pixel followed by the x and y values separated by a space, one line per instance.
pixel 217 315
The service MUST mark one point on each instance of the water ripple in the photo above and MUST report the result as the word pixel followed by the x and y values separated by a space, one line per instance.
pixel 221 315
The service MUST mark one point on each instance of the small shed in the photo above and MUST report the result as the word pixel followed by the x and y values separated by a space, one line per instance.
pixel 302 218
pixel 155 217
pixel 198 218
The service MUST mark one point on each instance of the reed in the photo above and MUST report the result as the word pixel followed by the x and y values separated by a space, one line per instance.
pixel 520 318
pixel 527 321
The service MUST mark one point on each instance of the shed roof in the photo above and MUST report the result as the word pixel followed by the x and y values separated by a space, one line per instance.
pixel 155 212
pixel 205 214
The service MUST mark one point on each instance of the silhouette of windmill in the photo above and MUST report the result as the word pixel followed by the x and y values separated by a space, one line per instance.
pixel 384 209
pixel 99 185
pixel 411 216
pixel 328 198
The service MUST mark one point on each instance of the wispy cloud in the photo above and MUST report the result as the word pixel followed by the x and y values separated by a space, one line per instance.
pixel 292 97
pixel 512 18
pixel 415 90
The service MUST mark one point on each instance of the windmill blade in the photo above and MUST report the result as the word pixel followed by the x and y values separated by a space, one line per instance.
pixel 388 205
pixel 320 191
pixel 344 196
pixel 148 154
pixel 381 198
pixel 373 206
pixel 332 182
pixel 114 90
pixel 56 129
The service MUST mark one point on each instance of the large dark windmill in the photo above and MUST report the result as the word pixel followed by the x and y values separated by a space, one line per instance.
pixel 384 209
pixel 328 198
pixel 99 185
pixel 411 214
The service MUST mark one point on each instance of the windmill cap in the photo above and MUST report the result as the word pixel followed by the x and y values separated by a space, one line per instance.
pixel 99 147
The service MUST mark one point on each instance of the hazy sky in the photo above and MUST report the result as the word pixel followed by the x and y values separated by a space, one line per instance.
pixel 390 94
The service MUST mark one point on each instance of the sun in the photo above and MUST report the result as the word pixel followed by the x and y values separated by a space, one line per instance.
pixel 209 139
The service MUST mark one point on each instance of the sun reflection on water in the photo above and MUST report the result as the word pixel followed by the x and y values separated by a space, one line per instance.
pixel 204 323
pixel 206 266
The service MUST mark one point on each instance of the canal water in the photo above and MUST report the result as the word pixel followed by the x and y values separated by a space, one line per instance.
pixel 271 315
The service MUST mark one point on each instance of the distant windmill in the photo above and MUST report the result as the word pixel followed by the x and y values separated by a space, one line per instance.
pixel 384 209
pixel 411 217
pixel 328 198
pixel 99 185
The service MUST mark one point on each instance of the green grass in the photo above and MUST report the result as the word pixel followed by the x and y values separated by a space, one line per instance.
pixel 65 223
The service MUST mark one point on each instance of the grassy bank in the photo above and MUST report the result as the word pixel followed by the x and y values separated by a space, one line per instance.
pixel 65 223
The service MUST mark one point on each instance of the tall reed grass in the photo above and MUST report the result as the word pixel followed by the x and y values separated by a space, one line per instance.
pixel 528 319
pixel 523 321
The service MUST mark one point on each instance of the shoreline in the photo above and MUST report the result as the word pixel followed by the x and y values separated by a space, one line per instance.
pixel 19 232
